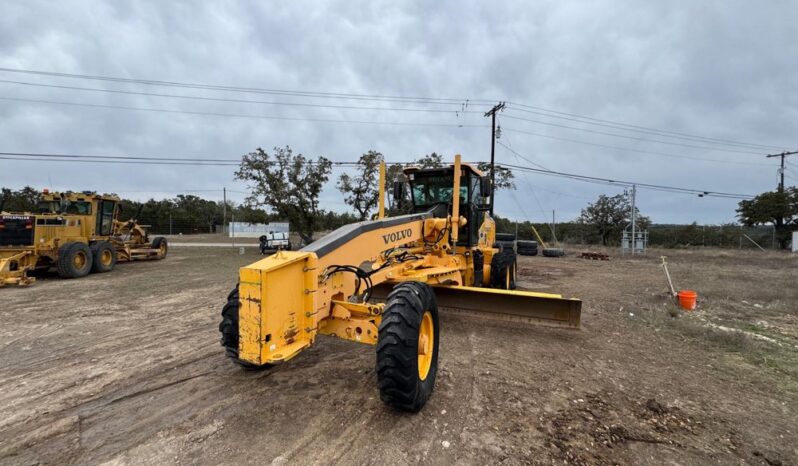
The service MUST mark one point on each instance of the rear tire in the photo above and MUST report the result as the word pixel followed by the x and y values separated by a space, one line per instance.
pixel 229 329
pixel 407 355
pixel 74 260
pixel 160 243
pixel 103 257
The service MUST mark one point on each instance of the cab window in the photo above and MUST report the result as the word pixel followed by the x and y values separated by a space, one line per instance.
pixel 105 221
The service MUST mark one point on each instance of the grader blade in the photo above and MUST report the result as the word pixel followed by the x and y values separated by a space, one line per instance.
pixel 539 308
pixel 13 269
pixel 551 310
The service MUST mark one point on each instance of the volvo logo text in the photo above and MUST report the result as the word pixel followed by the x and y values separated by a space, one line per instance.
pixel 397 235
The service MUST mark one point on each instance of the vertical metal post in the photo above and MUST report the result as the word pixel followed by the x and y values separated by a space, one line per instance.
pixel 634 241
pixel 170 223
pixel 381 210
pixel 455 225
pixel 553 226
pixel 224 207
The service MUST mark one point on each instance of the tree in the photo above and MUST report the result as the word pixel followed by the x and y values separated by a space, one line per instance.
pixel 432 160
pixel 288 183
pixel 504 176
pixel 362 190
pixel 778 208
pixel 608 216
pixel 24 200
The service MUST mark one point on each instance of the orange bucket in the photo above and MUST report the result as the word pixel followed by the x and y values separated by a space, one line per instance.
pixel 687 299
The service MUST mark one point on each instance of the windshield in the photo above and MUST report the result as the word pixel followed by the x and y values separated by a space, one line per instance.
pixel 64 207
pixel 429 190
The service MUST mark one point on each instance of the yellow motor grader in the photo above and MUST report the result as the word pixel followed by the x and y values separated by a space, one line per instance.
pixel 77 233
pixel 441 254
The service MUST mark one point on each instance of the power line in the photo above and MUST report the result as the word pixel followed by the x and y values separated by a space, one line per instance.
pixel 246 101
pixel 634 138
pixel 628 149
pixel 463 103
pixel 200 161
pixel 253 90
pixel 699 192
pixel 239 115
pixel 631 127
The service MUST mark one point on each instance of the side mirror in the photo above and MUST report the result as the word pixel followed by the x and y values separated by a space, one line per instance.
pixel 398 193
pixel 485 186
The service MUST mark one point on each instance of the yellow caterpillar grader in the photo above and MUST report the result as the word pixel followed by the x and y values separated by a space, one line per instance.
pixel 440 254
pixel 77 233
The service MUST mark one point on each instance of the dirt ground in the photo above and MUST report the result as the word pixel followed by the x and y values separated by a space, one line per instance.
pixel 126 368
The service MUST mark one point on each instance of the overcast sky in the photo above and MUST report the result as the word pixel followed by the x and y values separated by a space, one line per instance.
pixel 725 70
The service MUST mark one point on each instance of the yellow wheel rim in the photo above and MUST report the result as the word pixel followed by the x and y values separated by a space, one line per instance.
pixel 106 257
pixel 162 250
pixel 79 260
pixel 426 345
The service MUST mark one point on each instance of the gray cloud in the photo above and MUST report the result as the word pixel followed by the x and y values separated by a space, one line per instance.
pixel 719 69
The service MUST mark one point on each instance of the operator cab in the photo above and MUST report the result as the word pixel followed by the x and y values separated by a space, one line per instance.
pixel 431 188
pixel 101 207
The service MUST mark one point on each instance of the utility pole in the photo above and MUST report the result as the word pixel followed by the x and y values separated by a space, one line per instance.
pixel 780 221
pixel 781 170
pixel 492 113
pixel 224 207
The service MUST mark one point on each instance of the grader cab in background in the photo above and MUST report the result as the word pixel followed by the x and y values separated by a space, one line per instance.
pixel 77 233
pixel 441 254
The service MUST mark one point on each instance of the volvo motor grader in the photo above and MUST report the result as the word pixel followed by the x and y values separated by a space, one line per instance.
pixel 441 254
pixel 77 233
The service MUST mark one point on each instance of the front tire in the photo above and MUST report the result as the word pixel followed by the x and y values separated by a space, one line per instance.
pixel 407 347
pixel 503 269
pixel 229 329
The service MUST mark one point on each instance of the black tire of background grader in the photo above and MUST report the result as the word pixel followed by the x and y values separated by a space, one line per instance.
pixel 397 347
pixel 66 255
pixel 229 329
pixel 502 264
pixel 156 244
pixel 96 251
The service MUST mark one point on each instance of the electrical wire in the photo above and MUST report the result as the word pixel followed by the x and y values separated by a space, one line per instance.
pixel 594 179
pixel 244 115
pixel 624 136
pixel 628 149
pixel 218 99
pixel 630 127
pixel 462 103
pixel 254 90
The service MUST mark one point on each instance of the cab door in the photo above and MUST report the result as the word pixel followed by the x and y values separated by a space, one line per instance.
pixel 105 218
